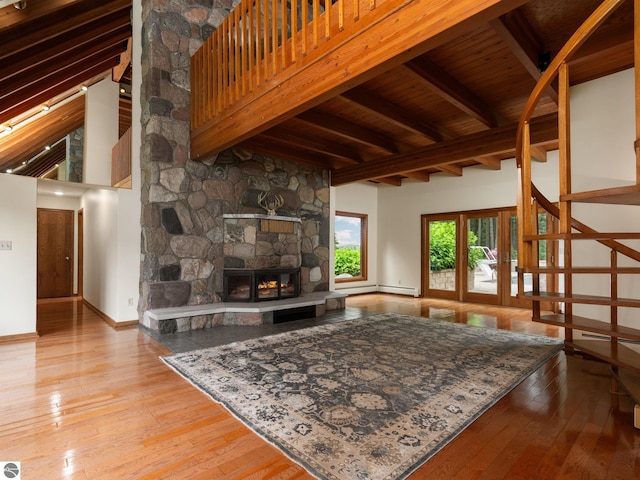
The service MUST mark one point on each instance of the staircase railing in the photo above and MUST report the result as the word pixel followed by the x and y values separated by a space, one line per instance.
pixel 531 199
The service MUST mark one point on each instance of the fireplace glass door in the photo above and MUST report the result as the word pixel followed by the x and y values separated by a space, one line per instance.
pixel 267 286
pixel 239 287
pixel 255 285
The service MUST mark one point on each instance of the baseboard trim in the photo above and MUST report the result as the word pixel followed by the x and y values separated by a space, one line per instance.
pixel 20 337
pixel 110 321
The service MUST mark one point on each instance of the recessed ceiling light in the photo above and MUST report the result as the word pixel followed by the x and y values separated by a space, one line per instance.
pixel 45 108
pixel 84 88
pixel 58 192
pixel 47 148
pixel 9 170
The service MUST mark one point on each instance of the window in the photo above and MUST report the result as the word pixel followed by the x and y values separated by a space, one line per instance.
pixel 350 260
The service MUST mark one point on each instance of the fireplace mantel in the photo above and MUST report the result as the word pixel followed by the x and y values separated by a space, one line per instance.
pixel 261 216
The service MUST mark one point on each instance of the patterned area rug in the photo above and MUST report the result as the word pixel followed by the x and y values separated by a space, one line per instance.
pixel 365 399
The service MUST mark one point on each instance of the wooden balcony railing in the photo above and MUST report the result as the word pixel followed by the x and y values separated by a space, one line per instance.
pixel 121 162
pixel 260 39
pixel 270 59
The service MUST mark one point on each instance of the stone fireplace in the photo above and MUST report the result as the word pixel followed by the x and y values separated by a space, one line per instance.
pixel 200 218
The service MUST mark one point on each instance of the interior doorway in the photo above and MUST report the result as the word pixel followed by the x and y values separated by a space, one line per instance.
pixel 472 256
pixel 55 253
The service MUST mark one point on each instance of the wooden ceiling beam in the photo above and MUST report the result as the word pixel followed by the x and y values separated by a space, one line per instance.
pixel 20 36
pixel 266 147
pixel 47 161
pixel 348 130
pixel 390 112
pixel 491 162
pixel 284 136
pixel 8 112
pixel 23 86
pixel 36 11
pixel 492 142
pixel 418 175
pixel 125 59
pixel 114 28
pixel 447 87
pixel 538 154
pixel 452 169
pixel 599 49
pixel 393 181
pixel 523 42
pixel 27 141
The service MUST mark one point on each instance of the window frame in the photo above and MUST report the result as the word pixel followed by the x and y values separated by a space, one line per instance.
pixel 363 246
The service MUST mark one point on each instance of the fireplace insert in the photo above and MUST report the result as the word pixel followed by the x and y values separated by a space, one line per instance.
pixel 242 285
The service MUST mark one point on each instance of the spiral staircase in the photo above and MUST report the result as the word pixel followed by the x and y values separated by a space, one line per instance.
pixel 602 339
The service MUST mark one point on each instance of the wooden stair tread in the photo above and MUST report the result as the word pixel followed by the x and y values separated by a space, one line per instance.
pixel 590 325
pixel 583 236
pixel 583 299
pixel 627 195
pixel 621 356
pixel 581 270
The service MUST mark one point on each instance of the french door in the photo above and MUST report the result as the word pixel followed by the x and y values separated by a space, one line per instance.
pixel 472 257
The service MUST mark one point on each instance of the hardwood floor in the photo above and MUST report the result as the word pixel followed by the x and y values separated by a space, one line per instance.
pixel 87 401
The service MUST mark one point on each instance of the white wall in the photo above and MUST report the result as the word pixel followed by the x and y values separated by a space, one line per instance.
pixel 101 249
pixel 112 217
pixel 363 199
pixel 129 206
pixel 18 276
pixel 100 131
pixel 603 133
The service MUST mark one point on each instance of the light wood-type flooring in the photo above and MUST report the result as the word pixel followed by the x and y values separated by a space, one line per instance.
pixel 86 401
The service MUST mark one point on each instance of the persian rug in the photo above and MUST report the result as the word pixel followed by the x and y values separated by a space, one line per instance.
pixel 371 398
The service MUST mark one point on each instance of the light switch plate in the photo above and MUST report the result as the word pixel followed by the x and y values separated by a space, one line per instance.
pixel 5 245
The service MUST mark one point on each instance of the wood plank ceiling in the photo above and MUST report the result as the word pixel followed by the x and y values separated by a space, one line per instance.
pixel 50 50
pixel 453 107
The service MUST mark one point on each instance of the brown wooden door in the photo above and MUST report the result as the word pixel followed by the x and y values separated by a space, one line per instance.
pixel 55 253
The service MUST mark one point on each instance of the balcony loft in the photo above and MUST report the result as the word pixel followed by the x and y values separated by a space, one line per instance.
pixel 389 90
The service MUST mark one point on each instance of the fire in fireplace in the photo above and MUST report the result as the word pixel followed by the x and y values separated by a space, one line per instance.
pixel 242 285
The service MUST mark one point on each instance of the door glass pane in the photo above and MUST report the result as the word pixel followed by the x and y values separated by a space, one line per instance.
pixel 542 252
pixel 482 235
pixel 442 255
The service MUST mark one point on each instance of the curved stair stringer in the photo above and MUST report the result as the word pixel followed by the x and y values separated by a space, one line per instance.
pixel 613 342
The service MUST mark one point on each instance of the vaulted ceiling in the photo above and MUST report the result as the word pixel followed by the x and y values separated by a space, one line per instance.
pixel 50 49
pixel 449 108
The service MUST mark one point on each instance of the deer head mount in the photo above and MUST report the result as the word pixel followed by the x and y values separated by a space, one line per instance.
pixel 270 202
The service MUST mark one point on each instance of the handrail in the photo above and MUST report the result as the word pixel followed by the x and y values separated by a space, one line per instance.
pixel 585 30
pixel 581 227
pixel 527 186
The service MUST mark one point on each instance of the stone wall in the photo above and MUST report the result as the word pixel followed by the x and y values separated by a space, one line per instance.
pixel 182 251
pixel 76 155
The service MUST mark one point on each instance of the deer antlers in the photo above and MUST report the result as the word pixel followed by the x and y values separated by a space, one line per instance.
pixel 270 202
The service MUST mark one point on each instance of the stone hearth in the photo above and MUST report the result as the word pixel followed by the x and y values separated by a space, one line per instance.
pixel 194 317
